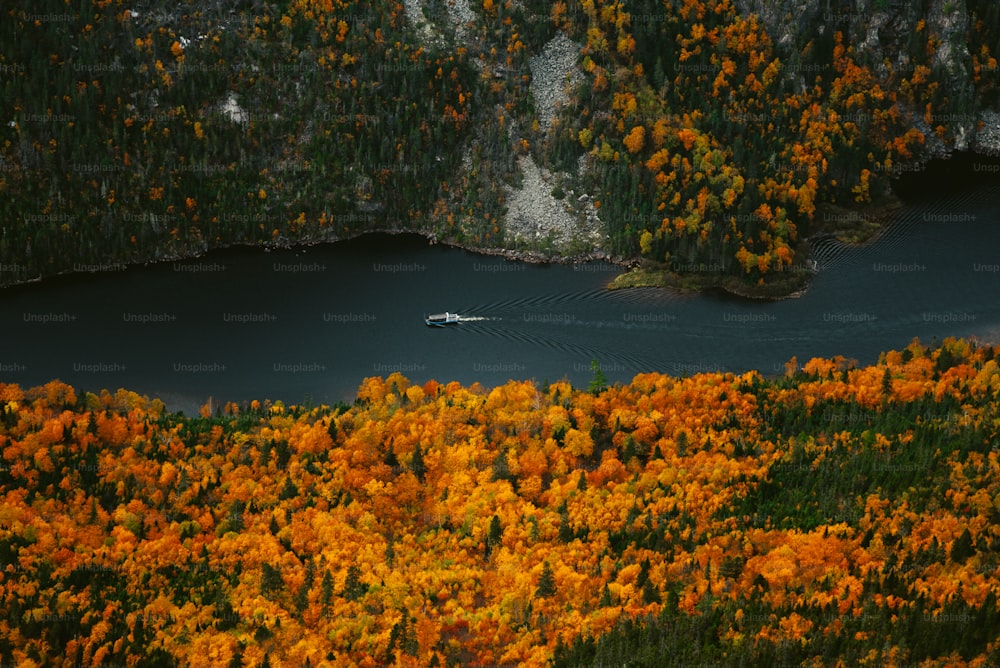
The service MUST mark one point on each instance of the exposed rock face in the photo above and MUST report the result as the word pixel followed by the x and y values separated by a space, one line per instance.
pixel 552 72
pixel 458 15
pixel 882 34
pixel 987 139
pixel 535 214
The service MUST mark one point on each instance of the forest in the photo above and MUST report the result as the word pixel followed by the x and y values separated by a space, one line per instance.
pixel 837 514
pixel 137 133
pixel 834 515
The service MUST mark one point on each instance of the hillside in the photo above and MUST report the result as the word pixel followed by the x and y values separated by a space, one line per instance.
pixel 703 136
pixel 837 515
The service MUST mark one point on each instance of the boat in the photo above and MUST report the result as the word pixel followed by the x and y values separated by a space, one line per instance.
pixel 442 319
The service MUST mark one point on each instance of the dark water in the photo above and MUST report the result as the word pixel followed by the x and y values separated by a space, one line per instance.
pixel 311 324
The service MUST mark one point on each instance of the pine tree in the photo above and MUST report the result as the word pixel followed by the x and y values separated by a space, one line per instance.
pixel 302 598
pixel 629 451
pixel 353 587
pixel 495 535
pixel 682 439
pixel 289 491
pixel 409 642
pixel 650 594
pixel 643 576
pixel 237 660
pixel 270 579
pixel 501 468
pixel 417 464
pixel 234 520
pixel 546 582
pixel 605 601
pixel 566 533
pixel 390 459
pixel 962 548
pixel 395 638
pixel 282 454
pixel 599 382
pixel 326 591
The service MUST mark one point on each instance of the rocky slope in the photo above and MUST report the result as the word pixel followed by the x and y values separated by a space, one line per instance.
pixel 545 130
pixel 882 33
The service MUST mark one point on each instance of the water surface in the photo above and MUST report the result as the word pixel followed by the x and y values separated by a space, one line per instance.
pixel 310 324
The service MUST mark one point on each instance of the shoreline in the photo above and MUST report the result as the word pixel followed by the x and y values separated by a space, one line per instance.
pixel 850 226
pixel 514 255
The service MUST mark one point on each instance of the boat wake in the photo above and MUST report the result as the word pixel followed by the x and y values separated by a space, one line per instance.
pixel 649 297
pixel 618 361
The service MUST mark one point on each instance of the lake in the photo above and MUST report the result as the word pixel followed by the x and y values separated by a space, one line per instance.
pixel 310 324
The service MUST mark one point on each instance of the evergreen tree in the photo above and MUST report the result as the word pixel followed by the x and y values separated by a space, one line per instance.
pixel 302 598
pixel 270 579
pixel 962 548
pixel 643 576
pixel 237 660
pixel 390 459
pixel 398 629
pixel 566 533
pixel 354 588
pixel 282 454
pixel 417 463
pixel 501 468
pixel 326 591
pixel 234 520
pixel 629 451
pixel 599 382
pixel 546 582
pixel 494 536
pixel 289 490
pixel 402 636
pixel 650 594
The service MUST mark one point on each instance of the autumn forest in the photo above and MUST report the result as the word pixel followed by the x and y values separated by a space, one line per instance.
pixel 836 515
pixel 140 134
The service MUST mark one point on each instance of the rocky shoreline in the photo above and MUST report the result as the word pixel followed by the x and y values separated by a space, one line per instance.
pixel 514 255
pixel 855 226
pixel 852 226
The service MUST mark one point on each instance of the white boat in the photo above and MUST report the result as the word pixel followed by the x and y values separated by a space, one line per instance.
pixel 442 319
